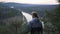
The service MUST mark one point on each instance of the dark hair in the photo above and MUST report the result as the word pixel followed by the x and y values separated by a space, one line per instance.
pixel 34 14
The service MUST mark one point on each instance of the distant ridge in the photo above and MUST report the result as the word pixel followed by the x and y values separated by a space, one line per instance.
pixel 21 4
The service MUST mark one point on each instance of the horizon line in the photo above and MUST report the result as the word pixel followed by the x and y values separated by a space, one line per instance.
pixel 33 4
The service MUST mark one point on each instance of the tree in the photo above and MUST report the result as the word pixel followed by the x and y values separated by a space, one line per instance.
pixel 54 17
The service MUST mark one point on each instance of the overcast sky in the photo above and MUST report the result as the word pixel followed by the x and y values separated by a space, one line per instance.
pixel 32 1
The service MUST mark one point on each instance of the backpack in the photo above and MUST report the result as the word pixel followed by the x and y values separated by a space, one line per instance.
pixel 36 24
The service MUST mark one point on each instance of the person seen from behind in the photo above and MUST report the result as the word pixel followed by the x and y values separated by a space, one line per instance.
pixel 35 25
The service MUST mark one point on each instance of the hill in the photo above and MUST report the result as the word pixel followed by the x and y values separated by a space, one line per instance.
pixel 29 7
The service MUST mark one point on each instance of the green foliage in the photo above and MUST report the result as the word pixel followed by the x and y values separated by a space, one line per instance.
pixel 54 17
pixel 8 12
pixel 12 28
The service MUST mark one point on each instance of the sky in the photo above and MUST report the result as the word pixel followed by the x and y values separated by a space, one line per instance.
pixel 32 1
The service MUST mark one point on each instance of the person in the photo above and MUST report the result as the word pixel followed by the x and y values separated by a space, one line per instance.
pixel 35 25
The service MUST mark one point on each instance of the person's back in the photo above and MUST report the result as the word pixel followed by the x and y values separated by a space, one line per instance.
pixel 35 24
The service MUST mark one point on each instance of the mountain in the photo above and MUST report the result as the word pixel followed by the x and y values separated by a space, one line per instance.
pixel 17 4
pixel 29 7
pixel 10 4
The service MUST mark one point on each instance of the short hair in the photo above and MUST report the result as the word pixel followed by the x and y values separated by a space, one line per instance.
pixel 34 14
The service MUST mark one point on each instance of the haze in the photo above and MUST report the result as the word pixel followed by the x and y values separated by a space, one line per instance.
pixel 32 1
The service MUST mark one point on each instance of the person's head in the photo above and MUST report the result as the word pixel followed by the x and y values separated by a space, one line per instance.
pixel 34 15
